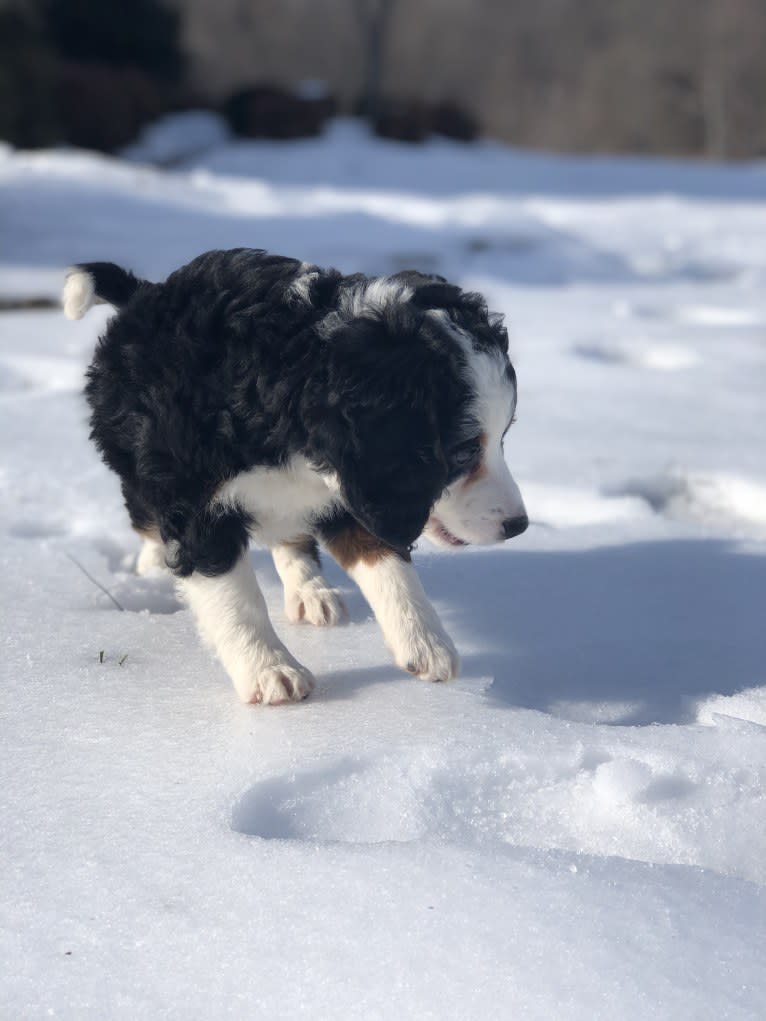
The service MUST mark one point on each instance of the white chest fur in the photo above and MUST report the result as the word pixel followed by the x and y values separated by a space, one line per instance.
pixel 281 500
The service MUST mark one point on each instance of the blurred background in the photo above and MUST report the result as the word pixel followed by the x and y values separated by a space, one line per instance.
pixel 681 77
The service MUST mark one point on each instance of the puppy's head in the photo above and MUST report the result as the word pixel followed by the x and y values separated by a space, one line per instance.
pixel 420 394
pixel 481 503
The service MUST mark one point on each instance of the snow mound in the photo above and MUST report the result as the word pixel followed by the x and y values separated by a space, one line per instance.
pixel 708 497
pixel 727 710
pixel 652 805
pixel 178 137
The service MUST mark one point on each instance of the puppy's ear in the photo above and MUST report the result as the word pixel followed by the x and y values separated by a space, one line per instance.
pixel 437 294
pixel 468 310
pixel 379 424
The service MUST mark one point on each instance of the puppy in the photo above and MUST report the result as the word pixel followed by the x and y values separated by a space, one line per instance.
pixel 255 396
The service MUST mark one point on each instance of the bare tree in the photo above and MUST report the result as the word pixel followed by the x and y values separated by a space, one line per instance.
pixel 375 18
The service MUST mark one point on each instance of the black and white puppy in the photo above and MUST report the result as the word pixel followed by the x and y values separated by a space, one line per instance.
pixel 255 396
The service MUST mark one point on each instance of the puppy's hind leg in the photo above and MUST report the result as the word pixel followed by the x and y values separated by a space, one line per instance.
pixel 152 556
pixel 308 597
pixel 151 559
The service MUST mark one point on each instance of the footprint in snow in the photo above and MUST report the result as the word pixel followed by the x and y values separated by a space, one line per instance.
pixel 36 530
pixel 639 354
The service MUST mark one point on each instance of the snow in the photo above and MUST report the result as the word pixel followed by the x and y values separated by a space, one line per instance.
pixel 576 827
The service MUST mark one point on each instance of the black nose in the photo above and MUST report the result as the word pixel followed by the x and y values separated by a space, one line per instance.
pixel 515 526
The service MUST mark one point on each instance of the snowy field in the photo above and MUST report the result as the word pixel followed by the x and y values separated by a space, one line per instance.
pixel 576 828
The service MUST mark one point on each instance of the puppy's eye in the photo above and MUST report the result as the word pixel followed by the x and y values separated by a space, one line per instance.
pixel 463 455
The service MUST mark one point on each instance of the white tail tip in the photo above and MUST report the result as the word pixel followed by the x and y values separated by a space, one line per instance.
pixel 79 294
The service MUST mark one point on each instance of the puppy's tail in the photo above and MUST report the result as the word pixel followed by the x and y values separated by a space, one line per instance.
pixel 94 283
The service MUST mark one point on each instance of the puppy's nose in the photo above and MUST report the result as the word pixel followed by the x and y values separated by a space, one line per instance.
pixel 515 526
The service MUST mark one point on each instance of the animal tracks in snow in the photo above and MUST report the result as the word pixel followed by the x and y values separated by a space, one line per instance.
pixel 646 806
pixel 639 354
pixel 653 351
pixel 708 497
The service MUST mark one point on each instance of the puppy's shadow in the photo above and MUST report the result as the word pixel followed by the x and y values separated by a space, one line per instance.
pixel 342 685
pixel 633 634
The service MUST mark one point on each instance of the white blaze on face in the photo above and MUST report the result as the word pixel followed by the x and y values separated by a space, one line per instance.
pixel 474 507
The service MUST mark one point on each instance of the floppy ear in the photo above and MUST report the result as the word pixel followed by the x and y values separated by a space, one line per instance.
pixel 379 427
pixel 437 294
pixel 469 310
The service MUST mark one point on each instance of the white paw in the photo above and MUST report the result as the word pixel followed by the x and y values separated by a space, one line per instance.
pixel 275 683
pixel 151 559
pixel 428 653
pixel 314 602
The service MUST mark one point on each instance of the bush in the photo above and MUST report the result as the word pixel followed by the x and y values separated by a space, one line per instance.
pixel 268 111
pixel 452 121
pixel 104 107
pixel 410 120
pixel 404 120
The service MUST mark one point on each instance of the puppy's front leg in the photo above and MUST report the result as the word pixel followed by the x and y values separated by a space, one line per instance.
pixel 232 616
pixel 410 625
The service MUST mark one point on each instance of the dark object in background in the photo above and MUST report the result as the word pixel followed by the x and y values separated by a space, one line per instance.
pixel 28 109
pixel 86 72
pixel 141 34
pixel 410 120
pixel 103 107
pixel 269 111
pixel 404 120
pixel 119 63
pixel 453 121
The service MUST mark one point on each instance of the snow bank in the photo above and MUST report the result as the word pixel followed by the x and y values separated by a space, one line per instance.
pixel 575 828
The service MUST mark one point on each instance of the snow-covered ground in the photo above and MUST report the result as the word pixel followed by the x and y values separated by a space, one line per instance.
pixel 576 828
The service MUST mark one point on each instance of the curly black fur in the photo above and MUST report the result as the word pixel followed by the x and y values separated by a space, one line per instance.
pixel 226 367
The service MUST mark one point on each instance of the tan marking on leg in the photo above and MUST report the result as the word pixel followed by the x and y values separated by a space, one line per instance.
pixel 151 534
pixel 355 544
